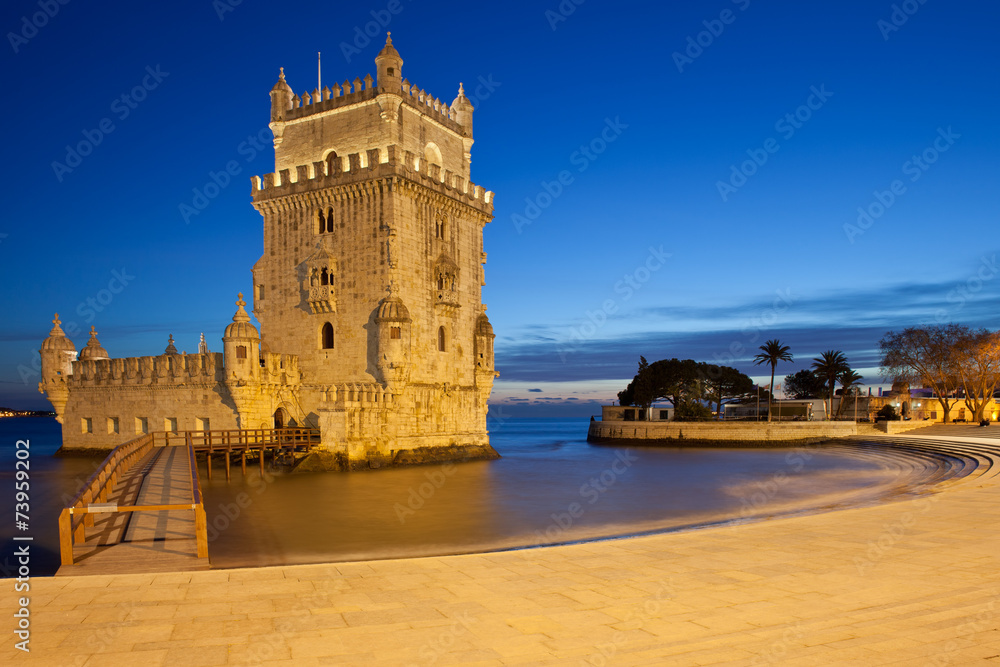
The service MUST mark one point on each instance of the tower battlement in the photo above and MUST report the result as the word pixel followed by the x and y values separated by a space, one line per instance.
pixel 372 164
pixel 348 93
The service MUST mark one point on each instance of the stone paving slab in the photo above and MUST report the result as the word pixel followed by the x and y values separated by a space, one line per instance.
pixel 912 582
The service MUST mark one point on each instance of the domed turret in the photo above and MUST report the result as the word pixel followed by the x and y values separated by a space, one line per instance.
pixel 241 347
pixel 171 348
pixel 281 98
pixel 93 350
pixel 389 68
pixel 58 354
pixel 463 110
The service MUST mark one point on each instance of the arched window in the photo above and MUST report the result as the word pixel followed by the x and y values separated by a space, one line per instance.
pixel 329 220
pixel 432 154
pixel 440 281
pixel 331 159
pixel 321 222
pixel 324 278
pixel 395 333
pixel 441 340
pixel 327 336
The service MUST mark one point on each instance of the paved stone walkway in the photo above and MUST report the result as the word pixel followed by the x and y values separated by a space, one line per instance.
pixel 913 582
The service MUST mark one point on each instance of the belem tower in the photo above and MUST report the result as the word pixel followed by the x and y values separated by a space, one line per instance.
pixel 368 295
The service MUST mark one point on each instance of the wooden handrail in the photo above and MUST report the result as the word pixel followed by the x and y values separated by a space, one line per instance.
pixel 74 519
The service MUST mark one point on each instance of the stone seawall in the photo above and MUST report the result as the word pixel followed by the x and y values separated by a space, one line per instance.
pixel 739 434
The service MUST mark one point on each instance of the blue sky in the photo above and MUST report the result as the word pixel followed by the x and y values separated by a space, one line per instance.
pixel 672 179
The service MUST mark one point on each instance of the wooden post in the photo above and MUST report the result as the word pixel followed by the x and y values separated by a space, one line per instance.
pixel 261 461
pixel 88 519
pixel 228 453
pixel 201 530
pixel 66 537
pixel 243 461
pixel 208 459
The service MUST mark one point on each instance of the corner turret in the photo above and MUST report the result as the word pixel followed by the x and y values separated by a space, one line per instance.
pixel 389 68
pixel 58 354
pixel 281 98
pixel 462 108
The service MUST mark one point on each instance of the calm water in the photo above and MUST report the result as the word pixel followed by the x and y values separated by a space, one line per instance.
pixel 550 487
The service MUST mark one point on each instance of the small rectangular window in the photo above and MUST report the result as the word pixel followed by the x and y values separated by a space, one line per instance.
pixel 170 424
pixel 241 352
pixel 141 425
pixel 395 333
pixel 87 425
pixel 113 425
pixel 204 424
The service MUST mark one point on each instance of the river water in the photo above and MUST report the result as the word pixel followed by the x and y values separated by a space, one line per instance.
pixel 550 487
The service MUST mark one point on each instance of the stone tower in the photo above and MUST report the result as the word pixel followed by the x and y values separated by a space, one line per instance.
pixel 373 264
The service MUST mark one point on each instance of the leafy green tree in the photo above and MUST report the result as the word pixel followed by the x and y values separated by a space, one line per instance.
pixel 829 366
pixel 771 353
pixel 805 384
pixel 723 383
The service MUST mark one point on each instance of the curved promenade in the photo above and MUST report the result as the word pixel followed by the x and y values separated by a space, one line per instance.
pixel 912 582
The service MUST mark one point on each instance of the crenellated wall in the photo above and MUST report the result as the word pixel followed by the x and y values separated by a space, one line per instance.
pixel 371 165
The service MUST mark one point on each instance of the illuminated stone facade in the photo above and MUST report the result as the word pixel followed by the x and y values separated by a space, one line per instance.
pixel 368 293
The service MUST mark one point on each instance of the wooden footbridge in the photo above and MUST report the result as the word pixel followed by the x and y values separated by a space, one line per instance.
pixel 143 509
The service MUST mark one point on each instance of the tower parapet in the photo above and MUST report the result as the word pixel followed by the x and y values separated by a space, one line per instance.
pixel 370 165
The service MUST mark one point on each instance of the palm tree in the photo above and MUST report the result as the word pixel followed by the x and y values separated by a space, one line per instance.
pixel 830 365
pixel 771 353
pixel 848 379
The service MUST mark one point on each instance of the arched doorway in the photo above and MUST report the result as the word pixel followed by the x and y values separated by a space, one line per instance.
pixel 282 419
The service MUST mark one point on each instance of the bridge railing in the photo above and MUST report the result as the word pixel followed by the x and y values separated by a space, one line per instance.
pixel 74 520
pixel 253 438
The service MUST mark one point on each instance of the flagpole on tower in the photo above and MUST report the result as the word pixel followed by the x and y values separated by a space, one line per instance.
pixel 319 74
